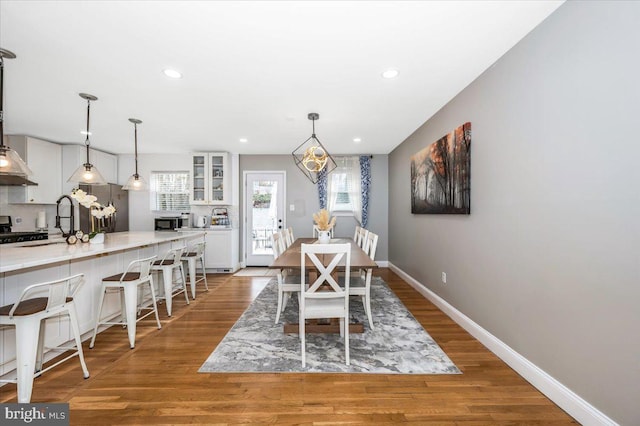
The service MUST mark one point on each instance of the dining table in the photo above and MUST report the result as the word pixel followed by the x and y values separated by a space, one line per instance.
pixel 290 259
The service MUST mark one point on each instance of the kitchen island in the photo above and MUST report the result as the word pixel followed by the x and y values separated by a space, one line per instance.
pixel 21 266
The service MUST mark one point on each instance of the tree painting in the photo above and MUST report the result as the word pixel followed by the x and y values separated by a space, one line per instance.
pixel 440 175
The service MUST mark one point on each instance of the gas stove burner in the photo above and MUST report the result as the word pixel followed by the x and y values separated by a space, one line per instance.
pixel 21 237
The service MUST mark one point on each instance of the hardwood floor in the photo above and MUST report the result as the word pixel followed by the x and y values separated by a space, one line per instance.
pixel 158 383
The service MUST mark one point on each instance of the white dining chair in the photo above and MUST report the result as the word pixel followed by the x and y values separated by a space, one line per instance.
pixel 290 237
pixel 28 315
pixel 285 237
pixel 288 284
pixel 361 284
pixel 361 236
pixel 356 232
pixel 318 300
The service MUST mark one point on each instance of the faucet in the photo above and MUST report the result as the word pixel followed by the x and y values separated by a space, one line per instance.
pixel 71 216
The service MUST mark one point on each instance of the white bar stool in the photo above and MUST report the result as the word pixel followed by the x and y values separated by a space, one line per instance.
pixel 193 254
pixel 170 263
pixel 128 284
pixel 29 318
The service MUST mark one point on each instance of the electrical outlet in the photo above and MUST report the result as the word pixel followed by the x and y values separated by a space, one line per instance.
pixel 292 207
pixel 444 278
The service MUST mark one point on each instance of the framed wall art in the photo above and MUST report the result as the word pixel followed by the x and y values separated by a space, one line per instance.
pixel 440 175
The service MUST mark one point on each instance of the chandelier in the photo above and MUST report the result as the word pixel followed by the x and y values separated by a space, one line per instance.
pixel 311 156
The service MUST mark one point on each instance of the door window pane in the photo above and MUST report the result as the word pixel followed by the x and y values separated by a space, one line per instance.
pixel 264 213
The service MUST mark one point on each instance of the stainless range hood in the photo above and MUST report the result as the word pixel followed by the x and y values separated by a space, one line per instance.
pixel 13 180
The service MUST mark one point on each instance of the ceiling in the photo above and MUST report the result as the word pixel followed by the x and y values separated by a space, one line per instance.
pixel 250 70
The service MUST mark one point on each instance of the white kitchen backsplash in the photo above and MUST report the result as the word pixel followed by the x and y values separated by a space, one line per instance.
pixel 24 216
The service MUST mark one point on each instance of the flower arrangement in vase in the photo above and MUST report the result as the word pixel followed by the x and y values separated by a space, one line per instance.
pixel 99 213
pixel 324 225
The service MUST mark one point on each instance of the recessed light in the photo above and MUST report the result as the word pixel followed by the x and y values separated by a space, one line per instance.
pixel 390 73
pixel 84 132
pixel 244 140
pixel 357 140
pixel 172 73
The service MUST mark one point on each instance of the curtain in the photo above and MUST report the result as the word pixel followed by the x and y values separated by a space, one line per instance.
pixel 322 188
pixel 365 181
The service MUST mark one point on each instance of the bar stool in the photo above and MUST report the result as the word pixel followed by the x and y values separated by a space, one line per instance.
pixel 128 285
pixel 170 263
pixel 28 316
pixel 193 254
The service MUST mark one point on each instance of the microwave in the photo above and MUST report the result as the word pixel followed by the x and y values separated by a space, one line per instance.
pixel 167 223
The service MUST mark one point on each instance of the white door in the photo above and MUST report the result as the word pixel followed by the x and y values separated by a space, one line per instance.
pixel 264 202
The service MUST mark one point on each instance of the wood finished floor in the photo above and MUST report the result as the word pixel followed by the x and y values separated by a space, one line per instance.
pixel 158 383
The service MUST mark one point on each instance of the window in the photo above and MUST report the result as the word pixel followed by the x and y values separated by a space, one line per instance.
pixel 169 191
pixel 343 188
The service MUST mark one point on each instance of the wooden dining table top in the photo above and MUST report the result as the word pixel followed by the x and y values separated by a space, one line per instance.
pixel 290 259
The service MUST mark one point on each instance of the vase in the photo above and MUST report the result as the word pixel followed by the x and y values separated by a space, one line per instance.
pixel 97 239
pixel 324 237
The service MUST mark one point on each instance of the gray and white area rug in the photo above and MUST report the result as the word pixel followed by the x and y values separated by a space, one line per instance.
pixel 398 344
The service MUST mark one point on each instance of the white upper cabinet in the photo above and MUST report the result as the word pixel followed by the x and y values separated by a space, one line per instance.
pixel 45 161
pixel 210 178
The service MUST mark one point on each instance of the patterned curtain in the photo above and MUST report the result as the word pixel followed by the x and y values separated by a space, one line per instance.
pixel 365 181
pixel 322 188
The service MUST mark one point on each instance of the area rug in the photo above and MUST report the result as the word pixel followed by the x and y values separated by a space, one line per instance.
pixel 397 345
pixel 255 272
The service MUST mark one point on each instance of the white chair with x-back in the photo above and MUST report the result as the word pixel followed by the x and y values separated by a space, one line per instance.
pixel 325 301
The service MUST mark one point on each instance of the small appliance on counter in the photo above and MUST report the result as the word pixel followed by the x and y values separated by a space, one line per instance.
pixel 167 223
pixel 202 221
pixel 185 220
pixel 6 236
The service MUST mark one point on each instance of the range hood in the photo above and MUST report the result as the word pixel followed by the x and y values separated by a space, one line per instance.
pixel 13 180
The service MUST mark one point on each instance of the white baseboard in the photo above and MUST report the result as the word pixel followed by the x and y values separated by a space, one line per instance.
pixel 382 263
pixel 564 397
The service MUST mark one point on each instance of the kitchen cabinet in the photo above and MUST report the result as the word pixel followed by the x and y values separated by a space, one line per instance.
pixel 221 250
pixel 210 179
pixel 45 161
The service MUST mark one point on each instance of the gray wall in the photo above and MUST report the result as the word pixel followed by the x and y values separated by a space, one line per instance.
pixel 302 192
pixel 549 259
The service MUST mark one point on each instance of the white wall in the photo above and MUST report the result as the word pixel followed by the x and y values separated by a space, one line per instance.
pixel 140 215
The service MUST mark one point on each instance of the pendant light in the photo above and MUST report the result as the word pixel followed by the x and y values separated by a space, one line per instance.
pixel 135 181
pixel 311 156
pixel 10 162
pixel 87 173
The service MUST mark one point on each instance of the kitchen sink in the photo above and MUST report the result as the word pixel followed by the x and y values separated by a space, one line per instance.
pixel 47 243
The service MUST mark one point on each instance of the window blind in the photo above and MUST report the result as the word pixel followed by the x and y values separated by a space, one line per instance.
pixel 169 191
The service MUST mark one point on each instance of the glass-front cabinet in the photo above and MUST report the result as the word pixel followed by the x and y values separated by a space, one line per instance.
pixel 209 178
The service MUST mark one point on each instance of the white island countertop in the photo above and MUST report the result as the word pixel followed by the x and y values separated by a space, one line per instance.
pixel 16 257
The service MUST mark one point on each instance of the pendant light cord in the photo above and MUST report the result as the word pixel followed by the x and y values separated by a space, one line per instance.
pixel 135 126
pixel 1 101
pixel 86 141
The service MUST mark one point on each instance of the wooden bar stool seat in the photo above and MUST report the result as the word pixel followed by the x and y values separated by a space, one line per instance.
pixel 28 316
